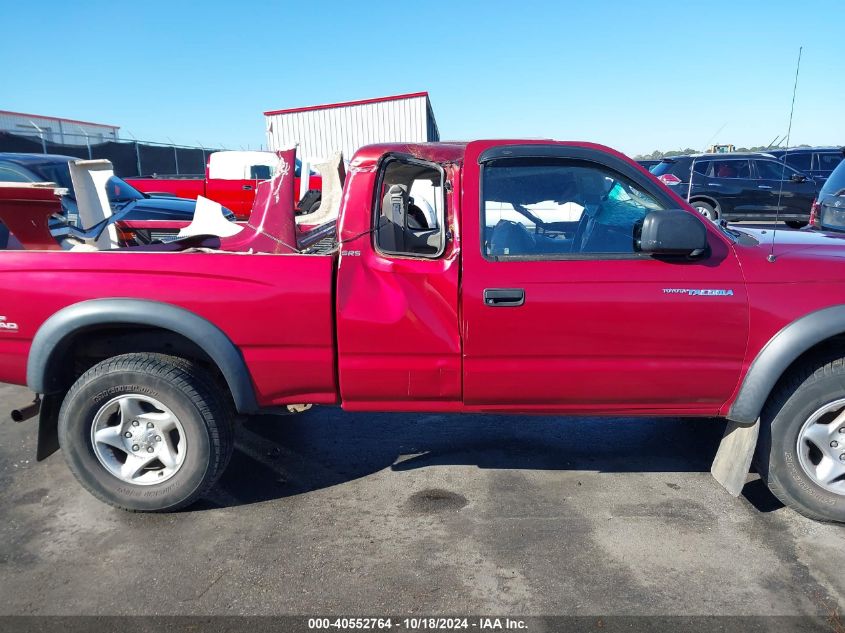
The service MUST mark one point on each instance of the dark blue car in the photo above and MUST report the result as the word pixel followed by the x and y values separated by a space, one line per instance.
pixel 123 197
pixel 818 162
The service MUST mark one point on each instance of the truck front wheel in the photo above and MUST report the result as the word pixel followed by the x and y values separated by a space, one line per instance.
pixel 801 451
pixel 146 432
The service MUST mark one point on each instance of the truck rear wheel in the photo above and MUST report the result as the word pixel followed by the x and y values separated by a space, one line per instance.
pixel 801 450
pixel 146 432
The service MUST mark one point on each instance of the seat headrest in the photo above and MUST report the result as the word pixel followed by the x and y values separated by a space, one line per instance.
pixel 395 204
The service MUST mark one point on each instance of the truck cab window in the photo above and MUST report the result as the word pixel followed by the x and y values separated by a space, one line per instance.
pixel 552 208
pixel 409 209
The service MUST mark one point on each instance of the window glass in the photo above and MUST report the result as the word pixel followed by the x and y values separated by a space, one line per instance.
pixel 260 172
pixel 733 168
pixel 548 208
pixel 702 167
pixel 835 184
pixel 666 166
pixel 800 162
pixel 409 209
pixel 118 190
pixel 772 170
pixel 829 161
pixel 12 173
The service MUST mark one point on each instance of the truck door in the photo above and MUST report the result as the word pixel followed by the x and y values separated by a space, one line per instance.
pixel 397 290
pixel 235 195
pixel 560 311
pixel 232 178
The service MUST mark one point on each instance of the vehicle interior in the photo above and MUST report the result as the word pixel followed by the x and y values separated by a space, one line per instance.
pixel 547 208
pixel 409 214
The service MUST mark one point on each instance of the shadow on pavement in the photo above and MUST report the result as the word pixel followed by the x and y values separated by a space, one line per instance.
pixel 281 456
pixel 758 495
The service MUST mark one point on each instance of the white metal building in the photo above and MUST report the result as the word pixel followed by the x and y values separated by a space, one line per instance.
pixel 56 129
pixel 323 129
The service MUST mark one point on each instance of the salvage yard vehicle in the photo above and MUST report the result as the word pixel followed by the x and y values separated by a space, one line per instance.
pixel 828 212
pixel 231 179
pixel 553 278
pixel 818 162
pixel 150 217
pixel 741 187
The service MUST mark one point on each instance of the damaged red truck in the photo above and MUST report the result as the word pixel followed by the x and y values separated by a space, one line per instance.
pixel 494 276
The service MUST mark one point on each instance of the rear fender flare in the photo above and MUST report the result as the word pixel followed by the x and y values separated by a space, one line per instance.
pixel 57 333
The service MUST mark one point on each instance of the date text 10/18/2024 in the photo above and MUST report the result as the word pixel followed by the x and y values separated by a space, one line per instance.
pixel 418 624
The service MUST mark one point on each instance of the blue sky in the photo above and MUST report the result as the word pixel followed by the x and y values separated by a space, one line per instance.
pixel 635 75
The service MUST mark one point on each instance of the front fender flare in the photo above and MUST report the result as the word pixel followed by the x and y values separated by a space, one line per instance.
pixel 778 354
pixel 56 334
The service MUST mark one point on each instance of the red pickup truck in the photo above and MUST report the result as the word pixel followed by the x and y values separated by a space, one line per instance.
pixel 231 178
pixel 495 276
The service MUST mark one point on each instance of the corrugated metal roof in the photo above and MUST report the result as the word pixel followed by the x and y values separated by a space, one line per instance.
pixel 341 104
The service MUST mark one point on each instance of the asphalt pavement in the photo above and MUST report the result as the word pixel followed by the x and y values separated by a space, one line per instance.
pixel 366 514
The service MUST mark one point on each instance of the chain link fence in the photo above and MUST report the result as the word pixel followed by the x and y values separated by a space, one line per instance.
pixel 130 158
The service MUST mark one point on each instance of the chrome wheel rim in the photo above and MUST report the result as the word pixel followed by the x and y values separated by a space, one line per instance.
pixel 821 447
pixel 705 212
pixel 138 440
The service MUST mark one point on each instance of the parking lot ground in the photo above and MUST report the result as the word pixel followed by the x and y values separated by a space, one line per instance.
pixel 367 514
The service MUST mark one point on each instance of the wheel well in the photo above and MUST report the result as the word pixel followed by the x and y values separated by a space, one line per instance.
pixel 822 349
pixel 88 347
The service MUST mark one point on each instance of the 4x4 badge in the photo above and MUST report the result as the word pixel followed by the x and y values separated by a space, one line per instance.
pixel 6 325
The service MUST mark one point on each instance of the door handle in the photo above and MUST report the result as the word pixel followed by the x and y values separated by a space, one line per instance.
pixel 504 297
pixel 247 187
pixel 764 187
pixel 713 184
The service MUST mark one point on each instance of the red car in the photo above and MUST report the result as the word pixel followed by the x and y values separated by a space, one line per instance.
pixel 231 178
pixel 494 276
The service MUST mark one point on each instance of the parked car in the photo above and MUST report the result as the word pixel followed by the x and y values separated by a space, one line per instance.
pixel 818 162
pixel 828 212
pixel 231 178
pixel 622 300
pixel 740 186
pixel 649 163
pixel 155 214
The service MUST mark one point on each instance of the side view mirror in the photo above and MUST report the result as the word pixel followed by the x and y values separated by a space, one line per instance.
pixel 798 178
pixel 673 232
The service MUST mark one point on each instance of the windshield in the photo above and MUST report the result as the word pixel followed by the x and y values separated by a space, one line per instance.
pixel 118 190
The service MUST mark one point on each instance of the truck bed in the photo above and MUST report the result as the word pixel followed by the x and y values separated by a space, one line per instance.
pixel 277 309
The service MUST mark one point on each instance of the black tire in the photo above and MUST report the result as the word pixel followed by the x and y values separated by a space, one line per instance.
pixel 706 209
pixel 796 224
pixel 188 390
pixel 805 390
